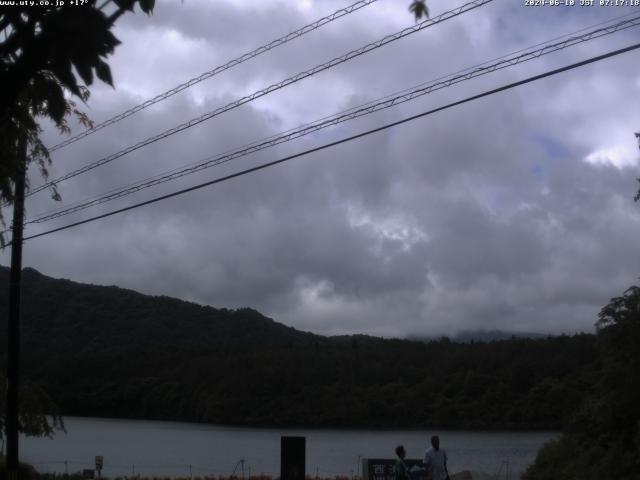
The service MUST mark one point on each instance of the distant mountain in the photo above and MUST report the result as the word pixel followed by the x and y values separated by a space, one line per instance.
pixel 107 351
pixel 468 336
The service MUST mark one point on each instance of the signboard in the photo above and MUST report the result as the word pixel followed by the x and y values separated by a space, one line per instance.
pixel 292 458
pixel 99 462
pixel 382 468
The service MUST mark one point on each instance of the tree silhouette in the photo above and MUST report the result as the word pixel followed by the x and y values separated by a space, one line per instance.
pixel 602 438
pixel 42 50
pixel 39 415
pixel 419 8
pixel 42 53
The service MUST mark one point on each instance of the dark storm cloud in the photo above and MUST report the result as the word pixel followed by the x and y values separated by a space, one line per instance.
pixel 513 212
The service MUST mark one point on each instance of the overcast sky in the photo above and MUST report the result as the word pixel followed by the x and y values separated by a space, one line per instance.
pixel 513 212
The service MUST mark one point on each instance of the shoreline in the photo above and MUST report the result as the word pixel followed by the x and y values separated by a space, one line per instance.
pixel 382 429
pixel 167 448
pixel 30 472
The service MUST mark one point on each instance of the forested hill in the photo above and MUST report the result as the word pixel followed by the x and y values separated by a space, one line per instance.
pixel 66 316
pixel 106 351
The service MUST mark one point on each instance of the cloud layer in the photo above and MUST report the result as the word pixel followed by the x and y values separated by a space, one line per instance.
pixel 513 212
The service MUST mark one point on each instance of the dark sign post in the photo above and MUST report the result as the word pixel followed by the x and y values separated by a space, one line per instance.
pixel 292 458
pixel 382 469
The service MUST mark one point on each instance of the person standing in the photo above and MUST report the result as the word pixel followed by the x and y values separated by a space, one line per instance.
pixel 435 461
pixel 400 469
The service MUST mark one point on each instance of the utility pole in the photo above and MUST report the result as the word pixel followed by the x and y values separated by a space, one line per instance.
pixel 13 337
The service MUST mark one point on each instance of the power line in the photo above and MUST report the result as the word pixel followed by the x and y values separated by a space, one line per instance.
pixel 343 140
pixel 255 142
pixel 219 69
pixel 276 86
pixel 356 112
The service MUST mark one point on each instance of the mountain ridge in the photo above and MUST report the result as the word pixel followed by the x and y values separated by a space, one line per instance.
pixel 141 313
pixel 462 336
pixel 112 352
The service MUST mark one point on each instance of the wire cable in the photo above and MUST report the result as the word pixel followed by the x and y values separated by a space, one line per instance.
pixel 359 106
pixel 351 114
pixel 260 93
pixel 215 71
pixel 343 140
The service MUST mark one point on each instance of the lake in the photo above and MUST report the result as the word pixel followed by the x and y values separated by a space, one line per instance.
pixel 184 449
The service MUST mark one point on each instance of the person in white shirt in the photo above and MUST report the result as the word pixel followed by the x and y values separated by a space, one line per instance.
pixel 435 460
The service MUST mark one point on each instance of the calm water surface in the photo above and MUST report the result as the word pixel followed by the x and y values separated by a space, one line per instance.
pixel 181 449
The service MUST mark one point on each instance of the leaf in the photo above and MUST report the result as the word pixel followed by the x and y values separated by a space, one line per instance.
pixel 41 91
pixel 110 43
pixel 125 4
pixel 419 8
pixel 62 70
pixel 84 69
pixel 55 195
pixel 83 119
pixel 103 72
pixel 56 103
pixel 147 6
